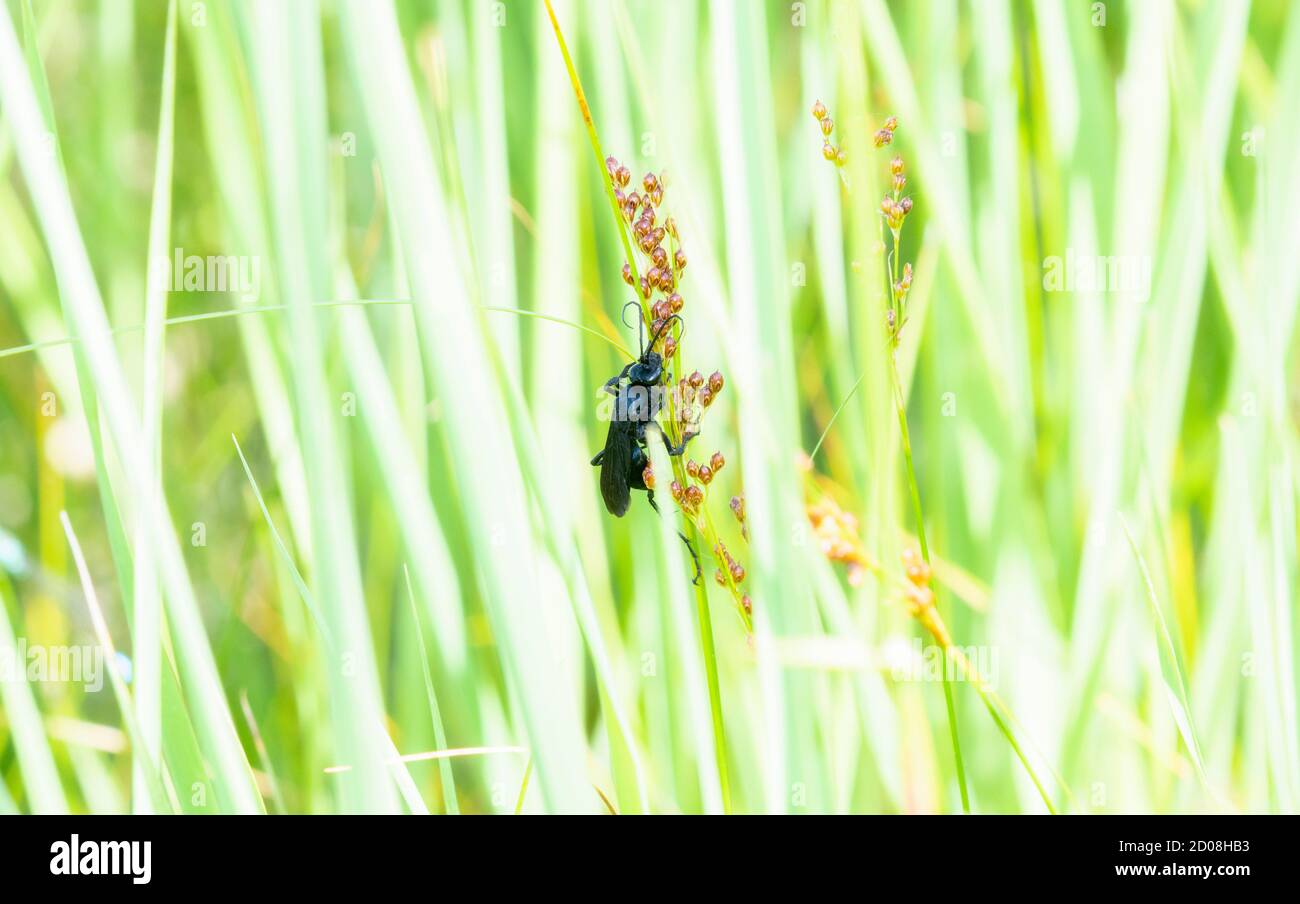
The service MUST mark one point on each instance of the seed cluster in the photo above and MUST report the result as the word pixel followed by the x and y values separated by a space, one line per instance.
pixel 829 151
pixel 664 267
pixel 837 535
pixel 660 263
pixel 894 208
pixel 920 598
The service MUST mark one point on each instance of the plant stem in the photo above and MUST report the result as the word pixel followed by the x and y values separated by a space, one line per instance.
pixel 901 408
pixel 715 695
pixel 701 595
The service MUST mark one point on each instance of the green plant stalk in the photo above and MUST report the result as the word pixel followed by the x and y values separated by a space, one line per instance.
pixel 679 470
pixel 715 693
pixel 147 624
pixel 949 703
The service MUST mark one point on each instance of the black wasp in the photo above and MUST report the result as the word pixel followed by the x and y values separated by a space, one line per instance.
pixel 638 402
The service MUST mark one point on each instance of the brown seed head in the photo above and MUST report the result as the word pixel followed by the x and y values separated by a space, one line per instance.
pixel 675 302
pixel 828 150
pixel 883 137
pixel 896 166
pixel 693 468
pixel 738 508
pixel 694 496
pixel 715 382
pixel 649 182
pixel 624 176
pixel 747 604
pixel 737 572
pixel 696 379
pixel 680 259
pixel 891 123
pixel 627 274
pixel 648 475
pixel 827 125
pixel 716 462
pixel 705 396
pixel 818 112
pixel 720 578
pixel 611 165
pixel 660 256
pixel 705 475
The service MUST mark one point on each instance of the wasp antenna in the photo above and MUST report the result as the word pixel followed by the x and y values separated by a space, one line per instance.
pixel 667 321
pixel 624 316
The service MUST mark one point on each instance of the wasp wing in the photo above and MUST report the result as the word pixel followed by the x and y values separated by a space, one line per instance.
pixel 614 467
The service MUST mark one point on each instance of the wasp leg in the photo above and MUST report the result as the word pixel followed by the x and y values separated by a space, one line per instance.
pixel 695 557
pixel 600 456
pixel 650 497
pixel 611 385
pixel 677 450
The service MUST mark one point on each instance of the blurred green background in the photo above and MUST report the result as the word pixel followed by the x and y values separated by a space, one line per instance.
pixel 336 507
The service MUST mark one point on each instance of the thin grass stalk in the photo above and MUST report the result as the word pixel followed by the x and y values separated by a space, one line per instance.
pixel 26 727
pixel 915 493
pixel 147 624
pixel 678 468
pixel 452 336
